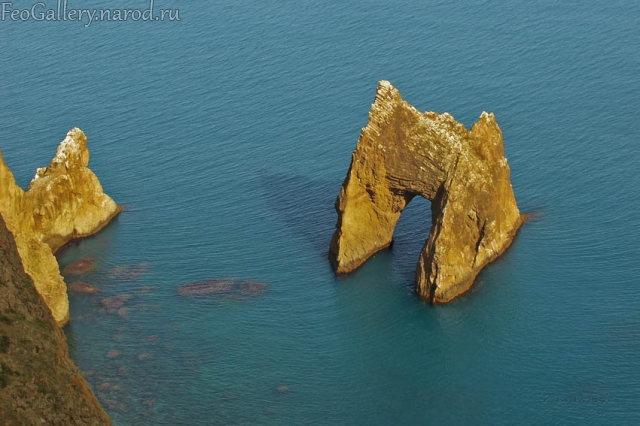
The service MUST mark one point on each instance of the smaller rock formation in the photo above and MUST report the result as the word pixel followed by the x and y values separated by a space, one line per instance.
pixel 64 201
pixel 403 153
pixel 39 384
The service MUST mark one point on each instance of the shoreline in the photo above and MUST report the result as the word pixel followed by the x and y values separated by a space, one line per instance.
pixel 60 248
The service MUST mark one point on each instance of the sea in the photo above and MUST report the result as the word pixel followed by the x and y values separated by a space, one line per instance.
pixel 226 133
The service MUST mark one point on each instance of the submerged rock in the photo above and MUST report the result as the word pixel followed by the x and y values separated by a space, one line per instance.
pixel 402 153
pixel 64 201
pixel 136 271
pixel 119 271
pixel 113 405
pixel 112 354
pixel 103 386
pixel 145 356
pixel 124 312
pixel 128 273
pixel 78 267
pixel 207 288
pixel 112 303
pixel 81 287
pixel 227 289
pixel 252 288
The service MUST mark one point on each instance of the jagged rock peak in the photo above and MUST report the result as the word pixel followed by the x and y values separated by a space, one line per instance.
pixel 72 152
pixel 402 153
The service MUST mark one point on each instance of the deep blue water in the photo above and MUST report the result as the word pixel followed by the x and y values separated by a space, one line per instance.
pixel 228 134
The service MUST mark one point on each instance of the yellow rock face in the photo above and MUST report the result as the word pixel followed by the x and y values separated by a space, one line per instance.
pixel 402 153
pixel 64 201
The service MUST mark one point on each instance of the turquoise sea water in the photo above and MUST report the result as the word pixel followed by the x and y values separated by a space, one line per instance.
pixel 227 134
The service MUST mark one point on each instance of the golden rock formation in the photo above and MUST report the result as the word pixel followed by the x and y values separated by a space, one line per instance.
pixel 64 201
pixel 402 153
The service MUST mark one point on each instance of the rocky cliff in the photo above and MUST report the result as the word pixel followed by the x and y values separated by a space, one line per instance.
pixel 64 201
pixel 402 153
pixel 39 384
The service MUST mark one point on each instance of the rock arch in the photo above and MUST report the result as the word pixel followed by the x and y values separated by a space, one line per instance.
pixel 403 153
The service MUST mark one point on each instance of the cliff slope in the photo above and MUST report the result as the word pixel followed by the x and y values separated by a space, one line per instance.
pixel 64 201
pixel 402 153
pixel 39 384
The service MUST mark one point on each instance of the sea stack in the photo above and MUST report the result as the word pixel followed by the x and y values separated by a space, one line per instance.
pixel 64 201
pixel 402 153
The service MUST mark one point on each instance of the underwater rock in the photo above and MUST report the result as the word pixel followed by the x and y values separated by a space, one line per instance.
pixel 115 302
pixel 229 289
pixel 124 312
pixel 78 267
pixel 136 271
pixel 145 356
pixel 114 405
pixel 81 288
pixel 206 288
pixel 403 153
pixel 128 273
pixel 64 201
pixel 119 271
pixel 283 389
pixel 252 288
pixel 112 354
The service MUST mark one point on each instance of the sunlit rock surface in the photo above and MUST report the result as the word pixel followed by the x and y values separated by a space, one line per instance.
pixel 402 153
pixel 64 201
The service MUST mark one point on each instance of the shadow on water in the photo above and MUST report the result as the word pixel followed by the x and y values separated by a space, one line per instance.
pixel 305 204
pixel 101 238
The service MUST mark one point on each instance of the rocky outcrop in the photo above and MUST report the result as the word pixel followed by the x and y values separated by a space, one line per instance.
pixel 39 384
pixel 64 201
pixel 402 153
